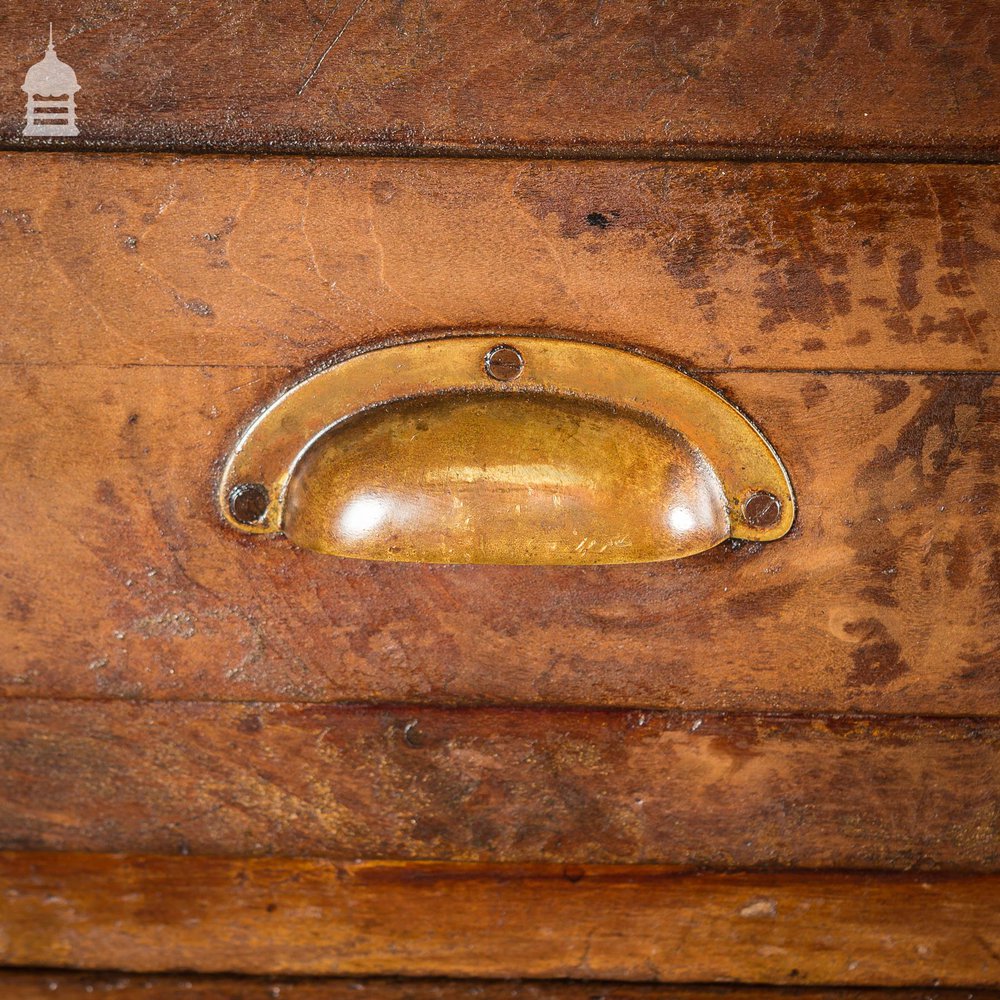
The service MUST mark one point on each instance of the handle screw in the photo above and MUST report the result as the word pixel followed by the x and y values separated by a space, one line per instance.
pixel 762 509
pixel 503 363
pixel 248 502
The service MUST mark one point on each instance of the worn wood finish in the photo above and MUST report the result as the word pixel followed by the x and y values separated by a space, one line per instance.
pixel 121 580
pixel 818 78
pixel 284 261
pixel 148 914
pixel 499 785
pixel 15 985
pixel 153 303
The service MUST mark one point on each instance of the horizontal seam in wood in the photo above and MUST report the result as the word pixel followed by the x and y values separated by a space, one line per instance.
pixel 663 989
pixel 407 707
pixel 694 154
pixel 513 872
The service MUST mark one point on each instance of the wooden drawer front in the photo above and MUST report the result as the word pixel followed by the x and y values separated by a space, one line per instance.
pixel 692 77
pixel 883 598
pixel 819 712
pixel 193 293
pixel 556 786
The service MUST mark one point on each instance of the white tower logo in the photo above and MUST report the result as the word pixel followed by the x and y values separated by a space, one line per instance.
pixel 51 86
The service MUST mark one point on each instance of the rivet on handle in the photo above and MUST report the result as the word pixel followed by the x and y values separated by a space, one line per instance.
pixel 248 502
pixel 503 363
pixel 762 509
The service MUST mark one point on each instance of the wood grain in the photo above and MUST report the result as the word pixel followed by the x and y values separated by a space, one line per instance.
pixel 500 785
pixel 120 579
pixel 814 78
pixel 146 914
pixel 86 985
pixel 207 260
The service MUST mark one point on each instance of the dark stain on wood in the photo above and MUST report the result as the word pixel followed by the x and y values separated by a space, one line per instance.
pixel 892 393
pixel 876 656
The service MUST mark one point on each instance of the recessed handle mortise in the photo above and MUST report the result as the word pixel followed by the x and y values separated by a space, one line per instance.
pixel 519 450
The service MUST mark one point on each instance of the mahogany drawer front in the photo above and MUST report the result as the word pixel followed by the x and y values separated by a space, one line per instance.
pixel 192 293
pixel 542 786
pixel 883 597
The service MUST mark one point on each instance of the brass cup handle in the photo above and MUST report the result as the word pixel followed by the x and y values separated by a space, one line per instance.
pixel 497 449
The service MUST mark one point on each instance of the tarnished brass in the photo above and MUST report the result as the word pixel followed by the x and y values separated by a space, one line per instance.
pixel 589 454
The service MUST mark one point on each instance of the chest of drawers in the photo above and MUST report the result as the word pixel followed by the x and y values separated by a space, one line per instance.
pixel 772 762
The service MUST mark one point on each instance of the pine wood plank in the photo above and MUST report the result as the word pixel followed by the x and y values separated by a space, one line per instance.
pixel 820 78
pixel 145 914
pixel 500 785
pixel 208 260
pixel 120 579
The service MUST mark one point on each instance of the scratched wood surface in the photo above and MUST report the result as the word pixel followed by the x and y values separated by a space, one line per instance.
pixel 206 260
pixel 693 77
pixel 145 914
pixel 37 985
pixel 500 785
pixel 122 581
